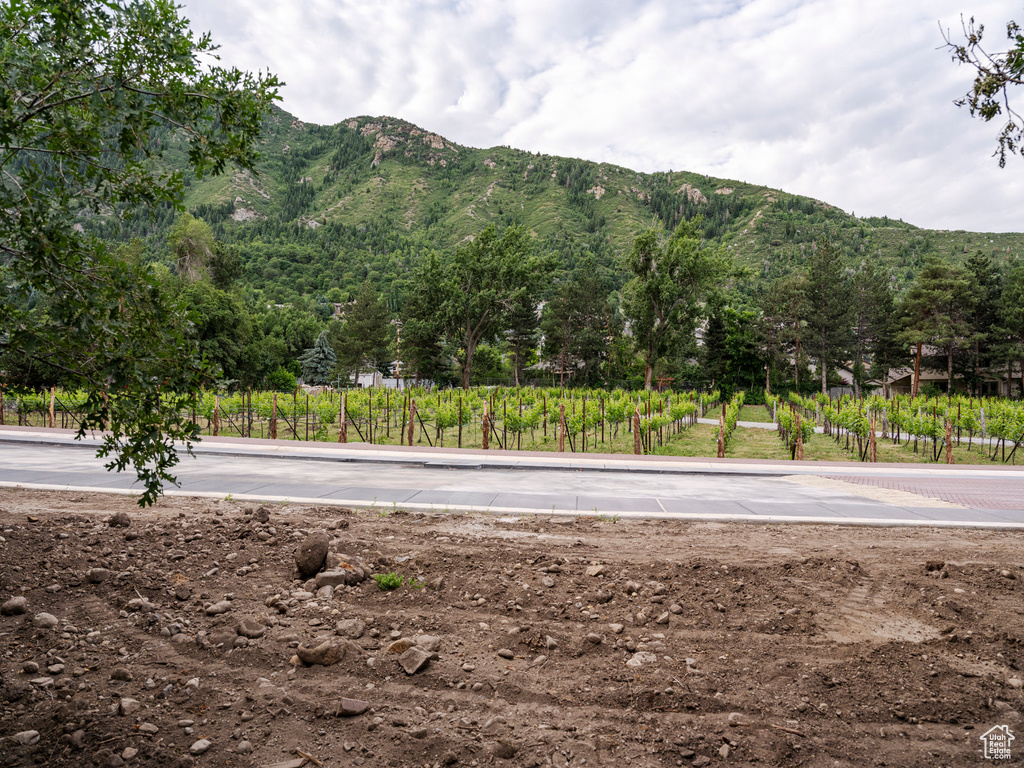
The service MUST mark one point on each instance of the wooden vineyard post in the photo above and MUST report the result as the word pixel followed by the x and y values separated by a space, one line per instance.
pixel 637 440
pixel 561 427
pixel 387 413
pixel 721 434
pixel 544 409
pixel 53 395
pixel 583 428
pixel 273 419
pixel 369 414
pixel 873 443
pixel 343 419
pixel 412 419
pixel 1 407
pixel 486 427
pixel 949 442
pixel 216 415
pixel 799 438
pixel 460 420
pixel 307 416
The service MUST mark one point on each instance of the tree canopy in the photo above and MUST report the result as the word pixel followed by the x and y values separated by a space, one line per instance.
pixel 86 87
pixel 996 72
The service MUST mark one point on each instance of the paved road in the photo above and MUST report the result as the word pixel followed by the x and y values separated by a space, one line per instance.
pixel 708 489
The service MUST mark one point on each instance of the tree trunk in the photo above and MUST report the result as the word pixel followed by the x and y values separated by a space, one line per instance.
pixel 470 349
pixel 648 374
pixel 824 377
pixel 949 372
pixel 917 371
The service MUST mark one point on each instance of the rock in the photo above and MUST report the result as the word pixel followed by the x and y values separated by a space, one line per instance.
pixel 352 707
pixel 45 621
pixel 548 582
pixel 662 619
pixel 200 746
pixel 419 733
pixel 15 606
pixel 700 761
pixel 215 609
pixel 430 643
pixel 311 554
pixel 675 608
pixel 505 653
pixel 250 628
pixel 334 579
pixel 261 515
pixel 400 646
pixel 121 673
pixel 413 660
pixel 243 748
pixel 120 520
pixel 550 643
pixel 129 753
pixel 640 658
pixel 97 575
pixel 736 719
pixel 42 682
pixel 30 668
pixel 596 570
pixel 149 728
pixel 78 739
pixel 631 588
pixel 616 629
pixel 1007 574
pixel 327 653
pixel 220 638
pixel 128 706
pixel 724 751
pixel 27 738
pixel 1015 682
pixel 351 628
pixel 594 638
pixel 539 660
pixel 504 750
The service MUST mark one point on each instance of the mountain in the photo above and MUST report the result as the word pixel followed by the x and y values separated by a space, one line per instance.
pixel 332 206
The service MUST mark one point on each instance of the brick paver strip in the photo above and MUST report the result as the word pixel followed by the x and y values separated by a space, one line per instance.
pixel 987 493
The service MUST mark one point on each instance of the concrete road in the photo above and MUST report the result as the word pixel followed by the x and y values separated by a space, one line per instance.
pixel 530 483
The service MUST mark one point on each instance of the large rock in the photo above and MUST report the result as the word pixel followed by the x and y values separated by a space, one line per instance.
pixel 15 606
pixel 327 653
pixel 351 628
pixel 413 660
pixel 311 554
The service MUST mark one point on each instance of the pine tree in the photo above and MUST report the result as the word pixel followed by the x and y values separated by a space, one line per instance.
pixel 829 316
pixel 318 362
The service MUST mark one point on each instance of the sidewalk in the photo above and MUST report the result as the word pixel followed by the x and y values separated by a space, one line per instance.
pixel 465 458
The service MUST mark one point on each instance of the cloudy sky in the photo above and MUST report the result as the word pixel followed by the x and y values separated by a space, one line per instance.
pixel 848 101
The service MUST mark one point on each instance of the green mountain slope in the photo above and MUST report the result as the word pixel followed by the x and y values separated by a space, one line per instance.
pixel 334 205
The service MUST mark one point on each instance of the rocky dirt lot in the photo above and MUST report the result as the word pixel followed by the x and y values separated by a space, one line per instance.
pixel 186 635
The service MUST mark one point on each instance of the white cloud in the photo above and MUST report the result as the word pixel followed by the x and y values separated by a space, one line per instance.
pixel 847 102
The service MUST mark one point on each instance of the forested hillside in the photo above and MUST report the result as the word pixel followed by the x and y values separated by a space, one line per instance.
pixel 333 206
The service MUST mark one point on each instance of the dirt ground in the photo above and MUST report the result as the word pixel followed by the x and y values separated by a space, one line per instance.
pixel 176 640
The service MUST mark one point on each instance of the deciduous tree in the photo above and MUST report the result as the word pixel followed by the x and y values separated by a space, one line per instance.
pixel 670 282
pixel 83 85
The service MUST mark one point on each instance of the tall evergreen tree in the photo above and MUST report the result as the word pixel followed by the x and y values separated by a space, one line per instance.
pixel 319 362
pixel 985 316
pixel 935 311
pixel 829 310
pixel 1011 320
pixel 577 326
pixel 366 332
